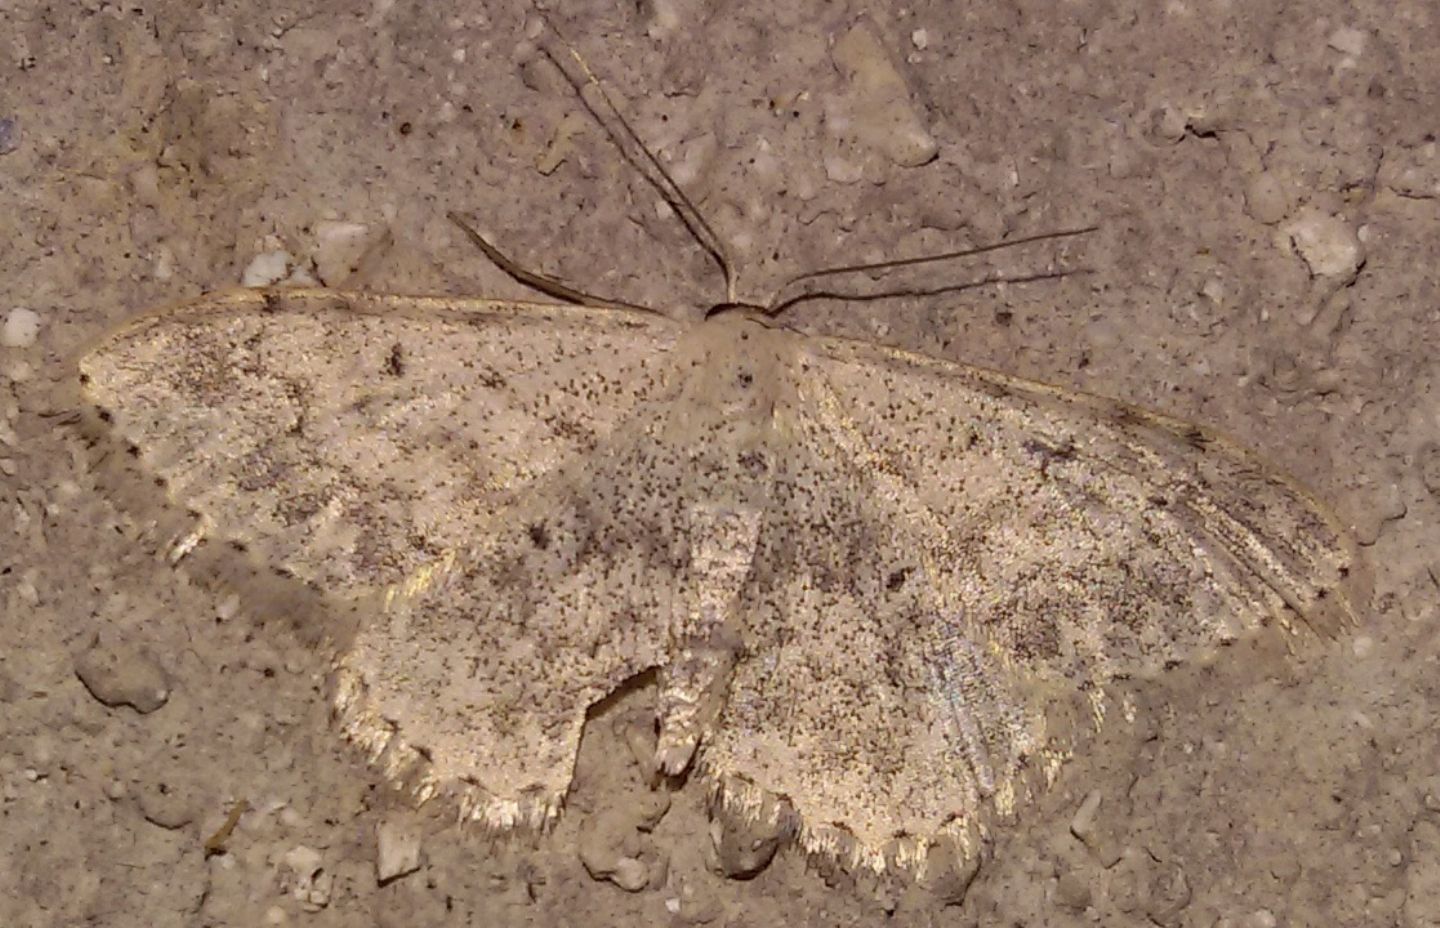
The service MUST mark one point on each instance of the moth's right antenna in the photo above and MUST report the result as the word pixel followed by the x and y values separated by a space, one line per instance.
pixel 779 306
pixel 629 144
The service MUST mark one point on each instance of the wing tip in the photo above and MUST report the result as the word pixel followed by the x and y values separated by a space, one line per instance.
pixel 1340 607
pixel 1341 595
pixel 117 466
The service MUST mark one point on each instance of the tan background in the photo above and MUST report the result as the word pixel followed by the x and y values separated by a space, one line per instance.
pixel 159 147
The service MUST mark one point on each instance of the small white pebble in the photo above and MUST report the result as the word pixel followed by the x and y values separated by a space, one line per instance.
pixel 42 751
pixel 1327 244
pixel 276 916
pixel 630 874
pixel 1082 825
pixel 664 19
pixel 841 170
pixel 397 850
pixel 164 263
pixel 7 467
pixel 144 184
pixel 339 246
pixel 1261 918
pixel 229 608
pixel 17 371
pixel 920 39
pixel 66 490
pixel 1348 40
pixel 1362 645
pixel 266 268
pixel 1168 123
pixel 20 329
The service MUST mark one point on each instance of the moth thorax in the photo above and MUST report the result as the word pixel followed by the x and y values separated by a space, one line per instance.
pixel 740 369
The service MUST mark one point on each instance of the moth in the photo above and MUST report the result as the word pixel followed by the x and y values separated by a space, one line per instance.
pixel 867 581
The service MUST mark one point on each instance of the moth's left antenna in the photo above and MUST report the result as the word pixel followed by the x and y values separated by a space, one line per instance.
pixel 629 144
pixel 542 282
